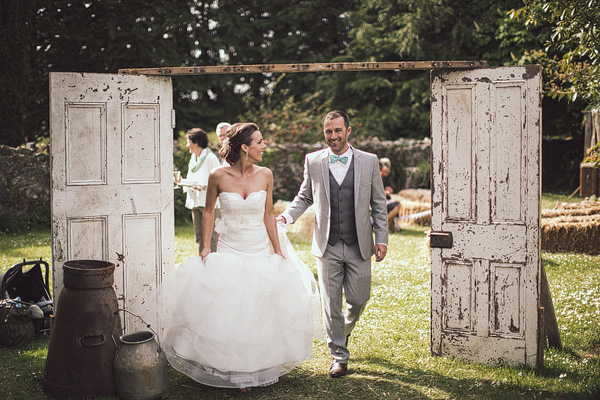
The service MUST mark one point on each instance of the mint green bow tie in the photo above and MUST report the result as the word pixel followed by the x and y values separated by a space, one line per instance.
pixel 333 158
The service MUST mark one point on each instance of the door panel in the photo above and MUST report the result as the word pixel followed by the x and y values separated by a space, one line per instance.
pixel 486 135
pixel 112 184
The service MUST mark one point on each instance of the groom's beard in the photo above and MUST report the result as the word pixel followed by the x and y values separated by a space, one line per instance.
pixel 337 145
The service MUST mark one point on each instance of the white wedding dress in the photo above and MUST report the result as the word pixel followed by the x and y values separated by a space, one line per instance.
pixel 243 316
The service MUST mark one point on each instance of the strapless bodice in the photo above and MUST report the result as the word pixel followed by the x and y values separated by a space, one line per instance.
pixel 249 210
pixel 241 226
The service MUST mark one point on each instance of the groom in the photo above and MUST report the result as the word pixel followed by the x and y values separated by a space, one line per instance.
pixel 345 185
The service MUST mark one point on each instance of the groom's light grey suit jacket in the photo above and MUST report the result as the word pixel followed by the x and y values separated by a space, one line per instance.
pixel 369 199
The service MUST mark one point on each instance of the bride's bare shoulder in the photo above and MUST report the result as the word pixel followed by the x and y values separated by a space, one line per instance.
pixel 221 171
pixel 266 172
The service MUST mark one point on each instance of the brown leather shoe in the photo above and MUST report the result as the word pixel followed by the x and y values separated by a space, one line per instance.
pixel 338 369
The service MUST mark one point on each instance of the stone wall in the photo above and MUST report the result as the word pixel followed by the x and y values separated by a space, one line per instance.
pixel 24 188
pixel 406 155
pixel 25 175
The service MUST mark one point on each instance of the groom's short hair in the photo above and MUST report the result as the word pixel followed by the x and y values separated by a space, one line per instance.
pixel 336 114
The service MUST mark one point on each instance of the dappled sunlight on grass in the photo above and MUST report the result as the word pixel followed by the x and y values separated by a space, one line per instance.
pixel 390 354
pixel 575 288
pixel 390 346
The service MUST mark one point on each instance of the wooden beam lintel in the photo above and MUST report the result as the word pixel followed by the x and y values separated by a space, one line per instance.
pixel 310 67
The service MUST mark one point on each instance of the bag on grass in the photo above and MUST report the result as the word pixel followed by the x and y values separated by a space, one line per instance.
pixel 16 325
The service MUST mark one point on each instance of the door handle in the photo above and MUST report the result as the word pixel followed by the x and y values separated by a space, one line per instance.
pixel 440 239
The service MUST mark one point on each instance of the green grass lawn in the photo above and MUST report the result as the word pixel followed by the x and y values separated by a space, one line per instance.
pixel 390 345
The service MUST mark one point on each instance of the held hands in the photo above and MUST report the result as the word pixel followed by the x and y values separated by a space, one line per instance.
pixel 380 252
pixel 280 219
pixel 204 253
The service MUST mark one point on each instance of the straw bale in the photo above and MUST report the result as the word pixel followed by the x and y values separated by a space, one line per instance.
pixel 416 195
pixel 413 201
pixel 582 208
pixel 572 228
pixel 305 223
pixel 414 207
pixel 578 205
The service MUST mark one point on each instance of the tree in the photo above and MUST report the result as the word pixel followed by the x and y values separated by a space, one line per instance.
pixel 283 31
pixel 572 53
pixel 15 72
pixel 106 35
pixel 396 104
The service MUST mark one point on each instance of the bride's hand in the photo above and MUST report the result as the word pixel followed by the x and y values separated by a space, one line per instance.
pixel 204 253
pixel 280 253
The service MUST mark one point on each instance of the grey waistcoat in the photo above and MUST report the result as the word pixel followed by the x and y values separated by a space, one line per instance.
pixel 343 222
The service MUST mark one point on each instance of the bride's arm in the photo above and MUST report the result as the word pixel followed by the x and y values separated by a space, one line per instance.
pixel 269 218
pixel 208 216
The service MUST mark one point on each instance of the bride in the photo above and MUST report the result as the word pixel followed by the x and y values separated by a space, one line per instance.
pixel 247 314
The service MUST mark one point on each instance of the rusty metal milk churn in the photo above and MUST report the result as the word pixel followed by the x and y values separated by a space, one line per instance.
pixel 84 336
pixel 141 368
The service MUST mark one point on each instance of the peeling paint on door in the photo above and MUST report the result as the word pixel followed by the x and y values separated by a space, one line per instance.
pixel 112 185
pixel 486 176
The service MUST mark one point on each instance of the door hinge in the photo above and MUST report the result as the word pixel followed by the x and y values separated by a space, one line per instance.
pixel 172 119
pixel 440 239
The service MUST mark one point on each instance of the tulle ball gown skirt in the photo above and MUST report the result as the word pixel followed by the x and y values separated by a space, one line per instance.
pixel 239 320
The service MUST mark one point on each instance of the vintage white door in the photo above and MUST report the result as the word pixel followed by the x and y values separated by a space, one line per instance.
pixel 485 256
pixel 112 182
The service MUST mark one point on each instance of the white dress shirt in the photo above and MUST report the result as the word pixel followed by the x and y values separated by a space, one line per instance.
pixel 339 169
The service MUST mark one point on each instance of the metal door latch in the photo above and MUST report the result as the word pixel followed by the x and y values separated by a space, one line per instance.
pixel 440 239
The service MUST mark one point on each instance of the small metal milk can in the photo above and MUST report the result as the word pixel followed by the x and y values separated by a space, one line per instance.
pixel 141 368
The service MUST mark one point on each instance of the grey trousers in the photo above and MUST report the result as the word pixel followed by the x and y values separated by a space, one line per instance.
pixel 197 219
pixel 342 271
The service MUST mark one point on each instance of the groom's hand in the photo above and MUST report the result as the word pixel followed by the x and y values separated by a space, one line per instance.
pixel 380 252
pixel 280 219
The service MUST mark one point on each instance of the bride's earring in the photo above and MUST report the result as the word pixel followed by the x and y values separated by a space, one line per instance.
pixel 246 156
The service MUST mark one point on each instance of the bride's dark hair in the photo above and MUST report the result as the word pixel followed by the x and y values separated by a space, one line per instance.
pixel 237 135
